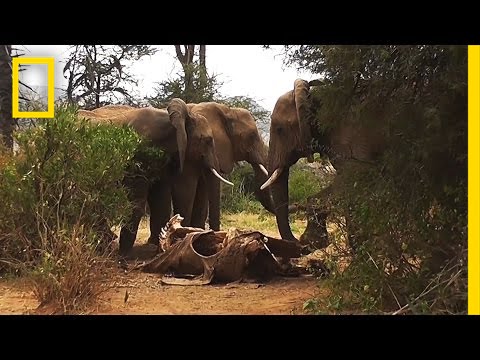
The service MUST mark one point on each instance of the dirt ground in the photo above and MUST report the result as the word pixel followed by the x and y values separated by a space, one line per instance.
pixel 145 294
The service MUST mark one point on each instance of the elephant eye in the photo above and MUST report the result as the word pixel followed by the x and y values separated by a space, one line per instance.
pixel 279 130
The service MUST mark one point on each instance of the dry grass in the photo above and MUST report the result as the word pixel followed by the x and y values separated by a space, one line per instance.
pixel 337 254
pixel 264 223
pixel 72 273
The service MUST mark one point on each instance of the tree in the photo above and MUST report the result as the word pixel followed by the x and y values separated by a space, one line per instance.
pixel 98 75
pixel 193 84
pixel 189 66
pixel 6 121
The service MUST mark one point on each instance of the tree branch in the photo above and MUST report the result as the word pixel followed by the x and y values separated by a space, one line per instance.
pixel 180 55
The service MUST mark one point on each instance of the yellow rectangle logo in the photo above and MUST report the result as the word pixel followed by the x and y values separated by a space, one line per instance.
pixel 473 179
pixel 16 62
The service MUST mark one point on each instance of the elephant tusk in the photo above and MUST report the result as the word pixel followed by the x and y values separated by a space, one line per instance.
pixel 263 169
pixel 220 177
pixel 272 178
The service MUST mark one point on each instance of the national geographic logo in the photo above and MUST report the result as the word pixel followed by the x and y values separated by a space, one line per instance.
pixel 16 62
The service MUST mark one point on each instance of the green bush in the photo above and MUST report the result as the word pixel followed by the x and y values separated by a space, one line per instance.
pixel 240 197
pixel 409 209
pixel 303 183
pixel 59 193
pixel 67 171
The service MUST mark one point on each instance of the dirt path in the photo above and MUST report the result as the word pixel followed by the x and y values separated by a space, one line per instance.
pixel 146 295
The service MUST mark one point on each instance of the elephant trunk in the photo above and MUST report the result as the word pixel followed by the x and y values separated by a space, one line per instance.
pixel 279 191
pixel 263 196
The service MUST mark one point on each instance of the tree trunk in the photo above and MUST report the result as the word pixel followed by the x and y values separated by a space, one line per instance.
pixel 71 77
pixel 186 60
pixel 6 121
pixel 203 49
pixel 97 94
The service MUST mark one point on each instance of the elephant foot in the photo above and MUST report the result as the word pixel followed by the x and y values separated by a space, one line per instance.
pixel 315 240
pixel 126 241
pixel 123 262
pixel 125 251
pixel 153 240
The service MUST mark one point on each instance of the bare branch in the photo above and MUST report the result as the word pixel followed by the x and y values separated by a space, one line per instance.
pixel 180 55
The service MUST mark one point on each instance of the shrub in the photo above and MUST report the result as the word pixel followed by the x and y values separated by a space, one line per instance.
pixel 240 197
pixel 410 208
pixel 303 183
pixel 59 194
pixel 69 272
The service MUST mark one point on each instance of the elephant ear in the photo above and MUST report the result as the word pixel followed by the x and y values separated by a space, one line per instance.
pixel 300 92
pixel 178 112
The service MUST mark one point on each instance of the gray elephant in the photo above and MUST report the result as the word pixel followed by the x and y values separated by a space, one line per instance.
pixel 186 136
pixel 293 135
pixel 197 192
pixel 236 139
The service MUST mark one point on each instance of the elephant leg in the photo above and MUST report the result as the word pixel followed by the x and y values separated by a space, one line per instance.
pixel 137 188
pixel 200 208
pixel 213 189
pixel 316 232
pixel 160 204
pixel 184 191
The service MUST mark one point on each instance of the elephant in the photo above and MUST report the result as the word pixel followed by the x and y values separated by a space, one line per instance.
pixel 236 139
pixel 293 135
pixel 181 133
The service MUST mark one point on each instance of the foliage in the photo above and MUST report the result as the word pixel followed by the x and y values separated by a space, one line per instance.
pixel 69 273
pixel 60 195
pixel 409 209
pixel 98 74
pixel 303 183
pixel 240 197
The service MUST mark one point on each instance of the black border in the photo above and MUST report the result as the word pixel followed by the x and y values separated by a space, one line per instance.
pixel 362 334
pixel 293 26
pixel 242 23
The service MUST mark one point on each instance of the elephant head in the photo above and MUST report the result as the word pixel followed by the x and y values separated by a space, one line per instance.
pixel 237 139
pixel 291 133
pixel 290 140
